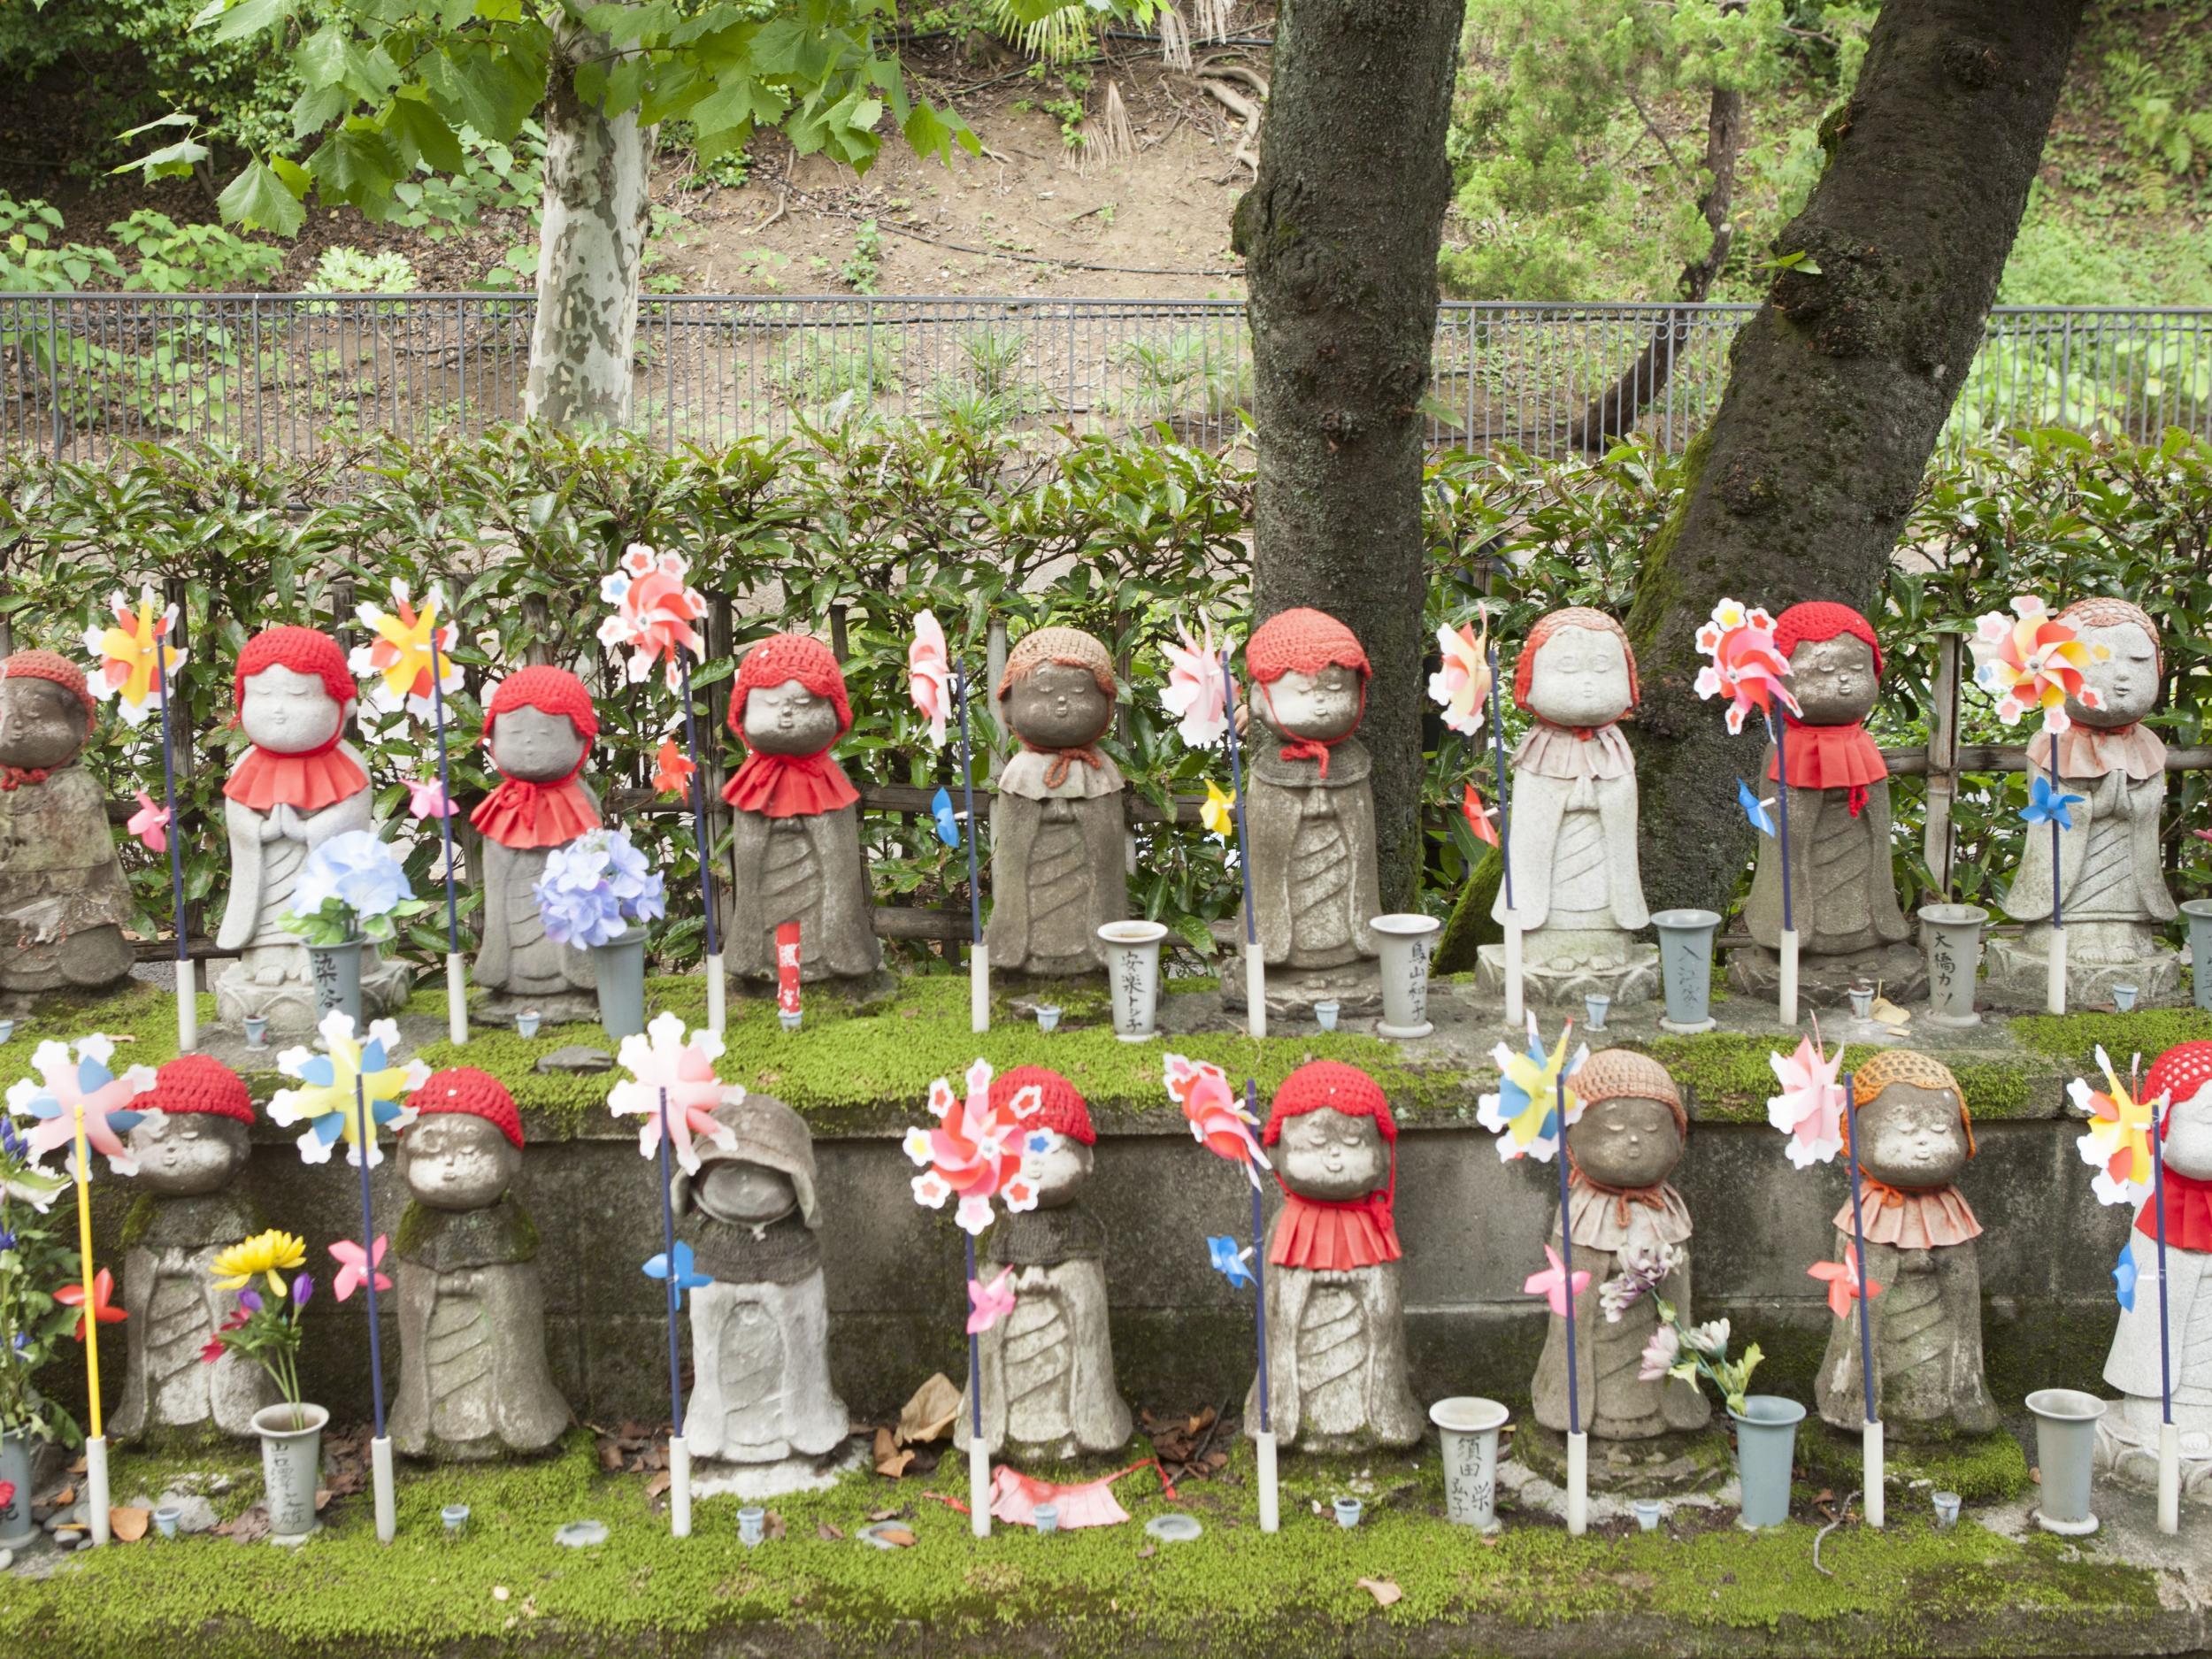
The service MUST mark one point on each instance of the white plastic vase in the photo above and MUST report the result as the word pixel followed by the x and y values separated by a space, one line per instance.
pixel 2065 1449
pixel 1468 1424
pixel 1406 941
pixel 1954 936
pixel 291 1467
pixel 1132 975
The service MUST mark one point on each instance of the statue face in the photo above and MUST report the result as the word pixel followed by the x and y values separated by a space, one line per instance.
pixel 1911 1137
pixel 2189 1138
pixel 536 747
pixel 42 726
pixel 1059 1173
pixel 745 1195
pixel 289 713
pixel 2127 679
pixel 789 719
pixel 1322 707
pixel 1054 706
pixel 1330 1155
pixel 454 1161
pixel 181 1155
pixel 1628 1141
pixel 1833 680
pixel 1580 678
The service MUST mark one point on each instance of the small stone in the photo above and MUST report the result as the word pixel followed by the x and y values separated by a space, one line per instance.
pixel 581 1534
pixel 577 1057
pixel 7 1559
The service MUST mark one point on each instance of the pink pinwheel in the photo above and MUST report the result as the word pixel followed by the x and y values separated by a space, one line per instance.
pixel 1462 686
pixel 1552 1283
pixel 654 611
pixel 1845 1279
pixel 1747 668
pixel 2034 662
pixel 1810 1109
pixel 665 1068
pixel 353 1267
pixel 103 1311
pixel 975 1152
pixel 989 1303
pixel 426 798
pixel 1196 694
pixel 150 824
pixel 1480 819
pixel 66 1081
pixel 929 676
pixel 1218 1118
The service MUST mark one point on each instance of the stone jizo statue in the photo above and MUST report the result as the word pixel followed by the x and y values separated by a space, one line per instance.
pixel 1915 1139
pixel 1336 1340
pixel 1624 1215
pixel 190 1149
pixel 473 1379
pixel 1059 839
pixel 539 731
pixel 1048 1367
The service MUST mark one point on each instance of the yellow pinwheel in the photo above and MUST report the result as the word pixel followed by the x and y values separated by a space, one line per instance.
pixel 326 1100
pixel 2117 1142
pixel 1218 814
pixel 401 655
pixel 1524 1113
pixel 128 669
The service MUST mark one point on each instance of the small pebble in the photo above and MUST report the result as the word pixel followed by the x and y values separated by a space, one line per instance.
pixel 581 1534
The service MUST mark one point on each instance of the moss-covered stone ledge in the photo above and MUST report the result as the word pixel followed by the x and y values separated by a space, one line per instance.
pixel 1701 1587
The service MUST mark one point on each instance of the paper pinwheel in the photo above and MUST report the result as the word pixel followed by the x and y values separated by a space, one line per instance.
pixel 673 768
pixel 103 1311
pixel 1216 1116
pixel 1480 819
pixel 654 611
pixel 125 648
pixel 1196 695
pixel 1524 1114
pixel 1218 813
pixel 1810 1109
pixel 2047 805
pixel 353 1267
pixel 21 1179
pixel 975 1151
pixel 150 823
pixel 1755 808
pixel 325 1100
pixel 1462 686
pixel 398 654
pixel 2031 661
pixel 2117 1142
pixel 688 1275
pixel 1229 1261
pixel 1552 1283
pixel 2124 1277
pixel 663 1064
pixel 943 815
pixel 929 676
pixel 989 1303
pixel 66 1081
pixel 1747 668
pixel 426 798
pixel 1845 1281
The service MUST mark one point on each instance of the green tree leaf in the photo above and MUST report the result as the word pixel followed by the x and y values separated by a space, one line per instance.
pixel 259 199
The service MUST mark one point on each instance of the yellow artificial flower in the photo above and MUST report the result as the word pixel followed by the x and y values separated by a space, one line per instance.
pixel 1218 814
pixel 264 1254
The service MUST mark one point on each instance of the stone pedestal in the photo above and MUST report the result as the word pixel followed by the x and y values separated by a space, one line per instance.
pixel 1354 986
pixel 2099 956
pixel 272 982
pixel 1670 1466
pixel 1633 978
pixel 1898 971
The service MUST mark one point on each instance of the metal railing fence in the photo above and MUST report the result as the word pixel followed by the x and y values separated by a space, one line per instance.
pixel 292 372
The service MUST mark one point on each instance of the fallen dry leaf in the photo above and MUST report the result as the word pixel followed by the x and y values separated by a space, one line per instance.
pixel 895 1466
pixel 1145 1551
pixel 248 1527
pixel 897 1535
pixel 128 1522
pixel 1383 1592
pixel 610 1456
pixel 825 1531
pixel 930 1413
pixel 322 1499
pixel 775 1525
pixel 658 1484
pixel 884 1514
pixel 1890 1014
pixel 67 1494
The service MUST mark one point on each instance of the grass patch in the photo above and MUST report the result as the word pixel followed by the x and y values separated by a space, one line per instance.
pixel 2075 1038
pixel 1730 1081
pixel 1981 1468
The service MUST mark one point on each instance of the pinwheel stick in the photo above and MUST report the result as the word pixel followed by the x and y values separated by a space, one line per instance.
pixel 2055 988
pixel 1577 1440
pixel 978 1453
pixel 1788 986
pixel 1255 965
pixel 1871 1444
pixel 381 1447
pixel 96 1448
pixel 1263 1442
pixel 674 1290
pixel 188 993
pixel 2169 1437
pixel 980 960
pixel 717 1009
pixel 457 1001
pixel 1513 1004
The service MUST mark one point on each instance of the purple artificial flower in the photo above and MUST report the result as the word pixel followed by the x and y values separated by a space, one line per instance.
pixel 596 888
pixel 251 1301
pixel 303 1287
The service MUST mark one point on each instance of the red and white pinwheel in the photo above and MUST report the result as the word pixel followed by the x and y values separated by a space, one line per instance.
pixel 1462 686
pixel 975 1151
pixel 1747 668
pixel 1196 695
pixel 1810 1109
pixel 653 611
pixel 672 1085
pixel 2031 661
pixel 929 675
pixel 1217 1115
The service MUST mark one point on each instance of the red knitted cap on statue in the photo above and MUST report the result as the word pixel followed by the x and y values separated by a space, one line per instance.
pixel 49 666
pixel 1305 641
pixel 1819 619
pixel 782 657
pixel 549 690
pixel 463 1089
pixel 1329 1086
pixel 303 651
pixel 198 1083
pixel 1064 1112
pixel 2181 1074
pixel 1572 616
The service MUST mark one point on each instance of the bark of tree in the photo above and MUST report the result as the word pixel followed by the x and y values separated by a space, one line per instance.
pixel 590 249
pixel 1839 385
pixel 1340 235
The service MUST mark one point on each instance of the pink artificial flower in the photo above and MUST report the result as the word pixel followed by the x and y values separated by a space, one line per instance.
pixel 674 1087
pixel 989 1303
pixel 929 676
pixel 1218 1118
pixel 1748 667
pixel 1551 1284
pixel 1197 694
pixel 1810 1109
pixel 1661 1355
pixel 353 1267
pixel 427 798
pixel 150 823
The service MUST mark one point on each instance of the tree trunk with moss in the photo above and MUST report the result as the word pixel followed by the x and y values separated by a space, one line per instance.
pixel 1839 385
pixel 1340 235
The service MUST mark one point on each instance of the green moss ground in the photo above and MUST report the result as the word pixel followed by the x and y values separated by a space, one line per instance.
pixel 1981 1468
pixel 1710 1587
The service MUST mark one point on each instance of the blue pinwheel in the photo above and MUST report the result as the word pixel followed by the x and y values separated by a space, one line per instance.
pixel 2047 805
pixel 2124 1277
pixel 687 1277
pixel 948 820
pixel 1229 1261
pixel 1754 808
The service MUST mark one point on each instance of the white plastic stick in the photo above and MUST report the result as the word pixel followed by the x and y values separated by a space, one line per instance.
pixel 979 987
pixel 1789 979
pixel 456 997
pixel 979 1489
pixel 2168 1477
pixel 1271 1498
pixel 1254 991
pixel 1871 1459
pixel 2054 989
pixel 95 1481
pixel 679 1486
pixel 1578 1484
pixel 188 1009
pixel 386 1499
pixel 717 995
pixel 1515 1013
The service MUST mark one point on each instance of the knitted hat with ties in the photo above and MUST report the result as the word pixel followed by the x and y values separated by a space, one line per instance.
pixel 474 1094
pixel 1918 1071
pixel 1553 622
pixel 1064 1112
pixel 49 665
pixel 2182 1073
pixel 782 657
pixel 550 690
pixel 198 1083
pixel 303 651
pixel 1819 620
